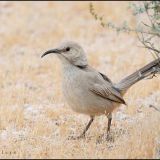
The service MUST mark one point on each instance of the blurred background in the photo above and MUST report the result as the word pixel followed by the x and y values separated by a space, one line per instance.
pixel 35 121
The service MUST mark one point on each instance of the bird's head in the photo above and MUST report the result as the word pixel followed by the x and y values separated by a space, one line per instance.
pixel 70 52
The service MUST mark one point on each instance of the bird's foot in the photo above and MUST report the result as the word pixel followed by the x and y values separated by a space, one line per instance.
pixel 109 137
pixel 82 136
pixel 104 138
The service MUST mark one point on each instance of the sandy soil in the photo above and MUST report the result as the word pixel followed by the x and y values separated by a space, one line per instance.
pixel 35 121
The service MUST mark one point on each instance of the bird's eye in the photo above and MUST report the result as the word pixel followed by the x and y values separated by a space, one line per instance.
pixel 68 49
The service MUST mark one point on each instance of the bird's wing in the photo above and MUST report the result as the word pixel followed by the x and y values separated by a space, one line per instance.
pixel 102 86
pixel 107 91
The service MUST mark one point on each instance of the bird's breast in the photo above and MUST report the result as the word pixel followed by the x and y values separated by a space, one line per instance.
pixel 75 89
pixel 72 86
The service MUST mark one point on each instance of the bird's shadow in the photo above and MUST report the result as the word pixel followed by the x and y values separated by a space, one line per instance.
pixel 112 136
pixel 103 138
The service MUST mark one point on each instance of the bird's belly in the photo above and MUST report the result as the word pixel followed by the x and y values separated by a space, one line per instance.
pixel 86 102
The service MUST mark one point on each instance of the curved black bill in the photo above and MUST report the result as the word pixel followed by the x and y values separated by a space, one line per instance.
pixel 51 51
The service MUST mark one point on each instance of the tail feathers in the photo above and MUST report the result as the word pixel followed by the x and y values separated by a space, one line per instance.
pixel 150 69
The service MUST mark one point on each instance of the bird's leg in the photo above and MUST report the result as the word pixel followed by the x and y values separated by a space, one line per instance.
pixel 109 137
pixel 109 116
pixel 86 129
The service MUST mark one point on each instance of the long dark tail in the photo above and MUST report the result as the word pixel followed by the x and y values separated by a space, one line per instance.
pixel 149 70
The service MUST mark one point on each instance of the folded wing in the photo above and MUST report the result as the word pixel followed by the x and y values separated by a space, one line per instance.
pixel 108 92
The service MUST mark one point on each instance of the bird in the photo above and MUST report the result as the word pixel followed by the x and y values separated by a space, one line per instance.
pixel 88 91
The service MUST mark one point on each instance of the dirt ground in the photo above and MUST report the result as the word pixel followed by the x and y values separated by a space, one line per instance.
pixel 35 121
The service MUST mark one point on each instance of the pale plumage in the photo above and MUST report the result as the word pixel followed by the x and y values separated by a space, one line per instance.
pixel 89 91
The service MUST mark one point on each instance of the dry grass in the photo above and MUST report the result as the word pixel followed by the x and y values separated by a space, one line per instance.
pixel 35 122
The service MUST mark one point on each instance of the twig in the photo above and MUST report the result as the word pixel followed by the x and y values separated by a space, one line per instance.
pixel 154 107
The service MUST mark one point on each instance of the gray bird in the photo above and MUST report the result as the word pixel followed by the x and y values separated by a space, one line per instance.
pixel 90 92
